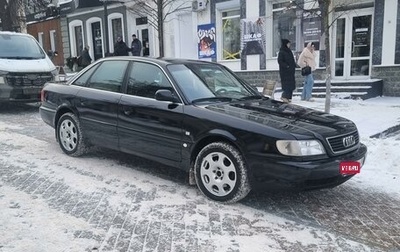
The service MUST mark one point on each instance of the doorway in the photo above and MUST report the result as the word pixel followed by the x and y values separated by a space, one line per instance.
pixel 352 44
pixel 97 41
pixel 144 34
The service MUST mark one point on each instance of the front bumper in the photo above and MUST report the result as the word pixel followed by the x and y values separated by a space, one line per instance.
pixel 271 174
pixel 20 94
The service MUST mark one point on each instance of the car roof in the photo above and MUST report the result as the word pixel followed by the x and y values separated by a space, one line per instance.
pixel 160 61
pixel 15 34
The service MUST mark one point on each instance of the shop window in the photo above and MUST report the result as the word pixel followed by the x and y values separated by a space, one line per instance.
pixel 231 35
pixel 286 25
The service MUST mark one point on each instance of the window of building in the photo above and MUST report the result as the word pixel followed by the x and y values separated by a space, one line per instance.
pixel 286 25
pixel 40 38
pixel 76 37
pixel 231 35
pixel 116 28
pixel 53 40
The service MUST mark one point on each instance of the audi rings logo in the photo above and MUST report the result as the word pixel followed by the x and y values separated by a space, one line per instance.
pixel 349 141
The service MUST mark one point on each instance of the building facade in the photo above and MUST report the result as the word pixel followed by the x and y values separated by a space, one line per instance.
pixel 245 35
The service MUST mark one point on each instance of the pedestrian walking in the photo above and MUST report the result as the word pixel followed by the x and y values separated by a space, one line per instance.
pixel 120 48
pixel 287 66
pixel 307 58
pixel 136 46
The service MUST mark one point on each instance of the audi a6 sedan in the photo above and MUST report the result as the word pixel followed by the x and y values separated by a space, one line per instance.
pixel 200 117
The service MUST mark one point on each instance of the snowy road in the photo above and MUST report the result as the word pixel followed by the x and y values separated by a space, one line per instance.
pixel 106 201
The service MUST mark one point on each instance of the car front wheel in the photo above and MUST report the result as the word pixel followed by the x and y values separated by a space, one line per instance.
pixel 221 173
pixel 69 135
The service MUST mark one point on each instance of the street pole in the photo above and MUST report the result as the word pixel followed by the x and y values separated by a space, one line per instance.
pixel 106 29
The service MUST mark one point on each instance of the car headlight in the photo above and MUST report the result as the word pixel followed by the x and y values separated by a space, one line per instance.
pixel 300 148
pixel 55 74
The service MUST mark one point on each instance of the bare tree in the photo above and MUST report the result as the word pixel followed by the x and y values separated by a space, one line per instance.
pixel 12 14
pixel 158 12
pixel 325 7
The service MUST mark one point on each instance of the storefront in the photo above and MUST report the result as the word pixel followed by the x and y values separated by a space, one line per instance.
pixel 100 26
pixel 246 36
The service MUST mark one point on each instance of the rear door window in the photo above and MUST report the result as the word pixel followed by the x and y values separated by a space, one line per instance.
pixel 109 76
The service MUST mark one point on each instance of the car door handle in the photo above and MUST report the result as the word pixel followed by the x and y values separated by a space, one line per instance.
pixel 128 111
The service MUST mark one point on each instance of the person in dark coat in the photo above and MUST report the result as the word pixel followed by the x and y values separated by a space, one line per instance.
pixel 287 66
pixel 85 57
pixel 136 46
pixel 120 48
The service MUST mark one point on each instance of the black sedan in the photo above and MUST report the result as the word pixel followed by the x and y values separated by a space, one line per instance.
pixel 200 117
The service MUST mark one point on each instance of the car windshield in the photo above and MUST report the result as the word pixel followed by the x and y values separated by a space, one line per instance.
pixel 209 82
pixel 19 47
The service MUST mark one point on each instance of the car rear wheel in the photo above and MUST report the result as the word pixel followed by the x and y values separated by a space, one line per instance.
pixel 221 173
pixel 69 135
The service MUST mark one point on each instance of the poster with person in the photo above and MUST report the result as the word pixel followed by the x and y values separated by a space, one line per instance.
pixel 206 36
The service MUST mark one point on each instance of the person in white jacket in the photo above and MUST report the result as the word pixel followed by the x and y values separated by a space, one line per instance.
pixel 307 58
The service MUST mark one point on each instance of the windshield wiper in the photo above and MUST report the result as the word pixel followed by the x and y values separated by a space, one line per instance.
pixel 251 97
pixel 212 99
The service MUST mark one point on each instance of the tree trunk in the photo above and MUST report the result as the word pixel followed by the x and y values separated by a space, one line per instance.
pixel 325 6
pixel 160 25
pixel 13 15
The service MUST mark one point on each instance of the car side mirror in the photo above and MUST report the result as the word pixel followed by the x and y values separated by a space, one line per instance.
pixel 166 95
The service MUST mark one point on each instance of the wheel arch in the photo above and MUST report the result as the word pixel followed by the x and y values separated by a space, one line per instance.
pixel 212 137
pixel 61 111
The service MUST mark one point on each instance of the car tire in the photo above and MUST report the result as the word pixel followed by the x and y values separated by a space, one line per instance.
pixel 221 173
pixel 70 136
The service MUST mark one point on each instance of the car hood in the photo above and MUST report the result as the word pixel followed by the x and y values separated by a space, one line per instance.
pixel 23 65
pixel 288 117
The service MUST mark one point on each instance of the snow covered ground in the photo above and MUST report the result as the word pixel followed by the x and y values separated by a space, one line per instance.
pixel 34 222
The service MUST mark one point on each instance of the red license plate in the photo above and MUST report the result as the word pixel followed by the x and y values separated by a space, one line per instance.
pixel 348 168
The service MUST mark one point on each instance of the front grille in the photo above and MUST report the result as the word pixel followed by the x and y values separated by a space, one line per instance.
pixel 28 79
pixel 344 143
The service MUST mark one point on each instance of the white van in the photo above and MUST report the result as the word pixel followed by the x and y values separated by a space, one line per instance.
pixel 24 67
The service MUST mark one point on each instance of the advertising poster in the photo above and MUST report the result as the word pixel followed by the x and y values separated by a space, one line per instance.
pixel 206 36
pixel 311 29
pixel 253 36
